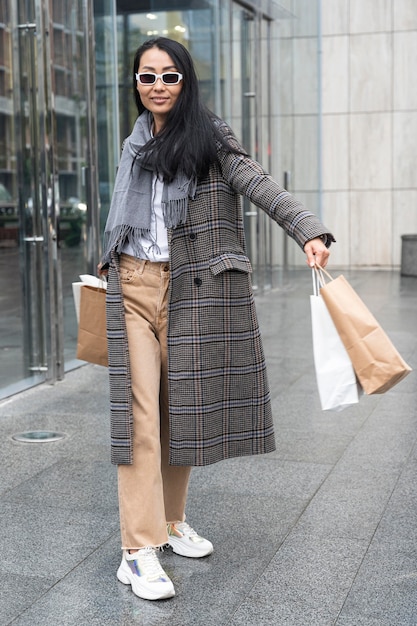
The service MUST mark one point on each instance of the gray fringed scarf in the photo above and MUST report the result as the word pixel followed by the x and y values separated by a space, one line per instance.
pixel 131 207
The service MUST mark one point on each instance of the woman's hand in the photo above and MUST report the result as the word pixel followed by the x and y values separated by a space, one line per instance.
pixel 316 252
pixel 102 270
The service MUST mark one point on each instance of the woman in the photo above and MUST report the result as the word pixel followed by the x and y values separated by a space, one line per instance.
pixel 188 382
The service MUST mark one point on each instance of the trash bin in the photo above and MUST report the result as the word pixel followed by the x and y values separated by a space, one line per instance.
pixel 409 255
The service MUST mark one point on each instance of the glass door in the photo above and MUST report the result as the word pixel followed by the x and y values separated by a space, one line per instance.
pixel 48 231
pixel 73 89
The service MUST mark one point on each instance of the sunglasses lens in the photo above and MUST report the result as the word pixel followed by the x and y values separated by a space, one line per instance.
pixel 147 79
pixel 170 79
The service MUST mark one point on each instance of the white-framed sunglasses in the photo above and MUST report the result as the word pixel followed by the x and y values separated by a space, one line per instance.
pixel 149 78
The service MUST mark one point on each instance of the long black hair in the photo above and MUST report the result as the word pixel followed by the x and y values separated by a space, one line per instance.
pixel 188 139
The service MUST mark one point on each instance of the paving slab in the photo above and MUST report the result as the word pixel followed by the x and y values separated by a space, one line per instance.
pixel 321 532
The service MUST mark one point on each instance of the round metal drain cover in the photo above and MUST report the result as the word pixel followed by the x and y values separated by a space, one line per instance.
pixel 38 436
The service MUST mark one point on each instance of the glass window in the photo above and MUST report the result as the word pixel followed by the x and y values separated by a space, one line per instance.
pixel 108 142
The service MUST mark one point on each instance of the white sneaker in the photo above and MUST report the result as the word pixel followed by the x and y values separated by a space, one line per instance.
pixel 185 541
pixel 144 573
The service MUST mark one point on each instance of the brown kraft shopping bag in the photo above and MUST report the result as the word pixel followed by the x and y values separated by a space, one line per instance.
pixel 377 363
pixel 92 337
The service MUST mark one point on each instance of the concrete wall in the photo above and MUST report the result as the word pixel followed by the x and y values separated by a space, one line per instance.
pixel 369 127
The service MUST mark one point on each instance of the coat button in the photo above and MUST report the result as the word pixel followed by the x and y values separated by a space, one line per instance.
pixel 193 236
pixel 198 282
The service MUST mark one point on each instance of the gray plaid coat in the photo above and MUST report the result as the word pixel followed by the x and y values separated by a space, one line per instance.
pixel 219 399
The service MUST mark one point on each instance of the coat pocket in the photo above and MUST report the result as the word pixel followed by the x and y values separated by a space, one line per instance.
pixel 230 261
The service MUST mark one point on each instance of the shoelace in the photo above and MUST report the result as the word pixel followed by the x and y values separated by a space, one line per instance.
pixel 187 530
pixel 152 568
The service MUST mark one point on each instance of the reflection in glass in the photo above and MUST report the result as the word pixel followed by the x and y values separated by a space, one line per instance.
pixel 69 85
pixel 44 154
pixel 11 336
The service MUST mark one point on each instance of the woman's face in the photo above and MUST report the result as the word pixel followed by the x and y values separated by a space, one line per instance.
pixel 158 98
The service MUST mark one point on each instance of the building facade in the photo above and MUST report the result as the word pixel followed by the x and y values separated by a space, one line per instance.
pixel 369 128
pixel 319 91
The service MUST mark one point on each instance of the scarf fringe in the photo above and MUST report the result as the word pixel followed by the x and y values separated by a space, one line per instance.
pixel 117 238
pixel 175 212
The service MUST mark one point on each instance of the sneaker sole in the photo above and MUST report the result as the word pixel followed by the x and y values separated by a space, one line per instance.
pixel 144 592
pixel 183 550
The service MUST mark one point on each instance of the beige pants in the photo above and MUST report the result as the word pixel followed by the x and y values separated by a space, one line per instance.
pixel 151 492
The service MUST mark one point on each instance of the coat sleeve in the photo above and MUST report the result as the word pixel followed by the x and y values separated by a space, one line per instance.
pixel 248 178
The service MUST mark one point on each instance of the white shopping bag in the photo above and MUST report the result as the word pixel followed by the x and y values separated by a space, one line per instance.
pixel 87 279
pixel 336 379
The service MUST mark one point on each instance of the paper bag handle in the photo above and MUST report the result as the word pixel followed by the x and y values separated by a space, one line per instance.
pixel 320 273
pixel 319 280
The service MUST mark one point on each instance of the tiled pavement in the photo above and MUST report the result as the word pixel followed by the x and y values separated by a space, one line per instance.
pixel 321 532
